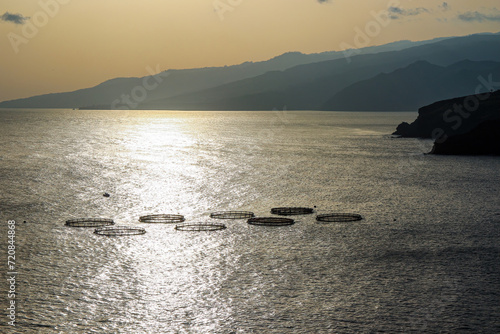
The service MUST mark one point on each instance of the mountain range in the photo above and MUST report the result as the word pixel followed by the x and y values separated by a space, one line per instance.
pixel 398 76
pixel 416 85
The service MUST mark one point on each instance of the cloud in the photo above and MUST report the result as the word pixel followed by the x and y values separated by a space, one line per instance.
pixel 444 6
pixel 14 18
pixel 398 12
pixel 492 15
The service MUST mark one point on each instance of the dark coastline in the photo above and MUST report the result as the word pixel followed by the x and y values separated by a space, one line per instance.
pixel 468 125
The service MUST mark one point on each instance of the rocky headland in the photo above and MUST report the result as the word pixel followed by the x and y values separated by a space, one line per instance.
pixel 468 125
pixel 484 139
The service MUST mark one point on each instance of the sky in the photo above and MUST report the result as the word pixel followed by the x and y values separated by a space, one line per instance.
pixel 49 46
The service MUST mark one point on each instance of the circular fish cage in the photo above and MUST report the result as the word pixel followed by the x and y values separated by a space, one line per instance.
pixel 291 211
pixel 89 222
pixel 112 231
pixel 198 227
pixel 270 221
pixel 162 218
pixel 232 214
pixel 338 217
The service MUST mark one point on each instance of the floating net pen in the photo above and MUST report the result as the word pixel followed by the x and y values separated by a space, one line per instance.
pixel 232 215
pixel 270 221
pixel 89 222
pixel 197 227
pixel 112 231
pixel 291 211
pixel 338 217
pixel 162 218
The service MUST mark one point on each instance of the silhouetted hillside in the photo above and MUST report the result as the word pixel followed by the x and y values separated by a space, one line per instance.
pixel 484 139
pixel 444 119
pixel 416 85
pixel 279 82
pixel 310 86
pixel 112 93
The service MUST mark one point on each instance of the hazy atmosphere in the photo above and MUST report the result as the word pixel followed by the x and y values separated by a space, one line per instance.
pixel 249 166
pixel 61 45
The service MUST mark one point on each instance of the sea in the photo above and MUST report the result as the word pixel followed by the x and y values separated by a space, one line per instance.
pixel 425 258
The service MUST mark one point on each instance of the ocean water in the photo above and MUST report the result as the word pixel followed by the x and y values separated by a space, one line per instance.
pixel 425 258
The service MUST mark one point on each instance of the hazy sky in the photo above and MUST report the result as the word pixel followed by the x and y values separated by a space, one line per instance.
pixel 61 45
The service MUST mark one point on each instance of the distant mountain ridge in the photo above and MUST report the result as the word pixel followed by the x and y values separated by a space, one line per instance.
pixel 294 80
pixel 408 88
pixel 183 81
pixel 312 86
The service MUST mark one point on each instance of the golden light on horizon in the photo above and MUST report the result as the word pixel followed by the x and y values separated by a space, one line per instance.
pixel 69 45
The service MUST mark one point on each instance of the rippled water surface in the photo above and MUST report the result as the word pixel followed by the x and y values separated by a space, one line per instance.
pixel 425 258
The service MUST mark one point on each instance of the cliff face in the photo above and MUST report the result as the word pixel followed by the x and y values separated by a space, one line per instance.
pixel 482 140
pixel 443 119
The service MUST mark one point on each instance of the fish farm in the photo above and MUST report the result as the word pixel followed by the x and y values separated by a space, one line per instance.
pixel 232 215
pixel 338 217
pixel 270 221
pixel 106 226
pixel 89 222
pixel 291 211
pixel 197 227
pixel 119 231
pixel 162 218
